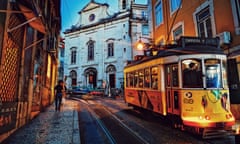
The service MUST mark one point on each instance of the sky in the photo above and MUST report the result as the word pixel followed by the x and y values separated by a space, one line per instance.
pixel 70 9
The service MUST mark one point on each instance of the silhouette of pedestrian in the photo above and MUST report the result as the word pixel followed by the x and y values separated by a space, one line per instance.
pixel 58 92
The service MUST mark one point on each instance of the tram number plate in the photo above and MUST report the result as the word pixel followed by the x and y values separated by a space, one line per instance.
pixel 220 124
pixel 188 101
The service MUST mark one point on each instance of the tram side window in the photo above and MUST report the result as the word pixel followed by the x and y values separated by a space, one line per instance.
pixel 168 76
pixel 146 78
pixel 136 79
pixel 154 77
pixel 192 73
pixel 127 80
pixel 213 73
pixel 140 79
pixel 175 75
pixel 131 79
pixel 224 73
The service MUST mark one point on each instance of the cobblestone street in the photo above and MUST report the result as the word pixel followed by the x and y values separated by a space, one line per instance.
pixel 50 127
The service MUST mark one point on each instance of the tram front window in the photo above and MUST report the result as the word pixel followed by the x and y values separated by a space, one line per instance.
pixel 213 74
pixel 192 73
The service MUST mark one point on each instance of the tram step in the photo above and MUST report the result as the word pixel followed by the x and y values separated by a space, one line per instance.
pixel 216 133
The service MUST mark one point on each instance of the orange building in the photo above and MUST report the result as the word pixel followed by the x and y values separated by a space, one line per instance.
pixel 29 32
pixel 171 19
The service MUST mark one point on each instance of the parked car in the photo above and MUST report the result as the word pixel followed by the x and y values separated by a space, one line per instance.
pixel 78 91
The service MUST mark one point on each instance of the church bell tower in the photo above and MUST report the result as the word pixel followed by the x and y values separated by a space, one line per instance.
pixel 124 5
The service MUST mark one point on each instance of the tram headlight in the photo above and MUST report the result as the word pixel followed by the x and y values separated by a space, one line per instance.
pixel 229 116
pixel 207 117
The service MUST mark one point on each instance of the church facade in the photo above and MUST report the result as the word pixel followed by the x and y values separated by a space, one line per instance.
pixel 99 46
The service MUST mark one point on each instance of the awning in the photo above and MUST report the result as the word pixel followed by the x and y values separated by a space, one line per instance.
pixel 34 21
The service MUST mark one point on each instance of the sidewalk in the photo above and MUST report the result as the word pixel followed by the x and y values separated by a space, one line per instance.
pixel 236 129
pixel 51 127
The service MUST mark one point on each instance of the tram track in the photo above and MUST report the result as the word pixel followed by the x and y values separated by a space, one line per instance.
pixel 131 133
pixel 121 124
pixel 162 126
pixel 113 130
pixel 103 127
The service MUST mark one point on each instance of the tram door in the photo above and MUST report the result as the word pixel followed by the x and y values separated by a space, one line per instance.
pixel 172 89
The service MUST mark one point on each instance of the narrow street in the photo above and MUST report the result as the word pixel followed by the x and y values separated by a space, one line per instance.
pixel 133 71
pixel 101 120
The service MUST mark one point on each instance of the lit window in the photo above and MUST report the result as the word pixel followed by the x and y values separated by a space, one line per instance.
pixel 159 13
pixel 154 77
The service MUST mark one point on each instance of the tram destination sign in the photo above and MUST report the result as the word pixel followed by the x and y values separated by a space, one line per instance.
pixel 194 41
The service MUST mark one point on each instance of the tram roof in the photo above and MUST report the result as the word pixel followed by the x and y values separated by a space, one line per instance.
pixel 185 46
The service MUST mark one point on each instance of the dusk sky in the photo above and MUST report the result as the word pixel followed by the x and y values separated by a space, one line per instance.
pixel 70 9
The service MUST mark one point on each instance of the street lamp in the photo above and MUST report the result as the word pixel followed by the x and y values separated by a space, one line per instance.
pixel 146 47
pixel 140 45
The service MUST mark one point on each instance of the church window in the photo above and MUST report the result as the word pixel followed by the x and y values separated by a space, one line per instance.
pixel 91 50
pixel 73 55
pixel 110 49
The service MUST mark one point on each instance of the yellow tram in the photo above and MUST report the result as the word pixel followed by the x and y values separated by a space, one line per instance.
pixel 186 83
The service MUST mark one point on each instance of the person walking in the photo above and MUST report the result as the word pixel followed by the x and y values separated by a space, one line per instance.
pixel 58 92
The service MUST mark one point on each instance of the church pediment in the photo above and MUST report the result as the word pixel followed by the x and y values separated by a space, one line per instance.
pixel 92 13
pixel 92 5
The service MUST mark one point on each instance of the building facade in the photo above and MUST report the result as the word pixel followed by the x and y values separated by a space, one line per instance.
pixel 61 53
pixel 203 18
pixel 28 62
pixel 98 47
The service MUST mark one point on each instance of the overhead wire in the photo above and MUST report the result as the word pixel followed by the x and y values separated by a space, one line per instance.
pixel 174 19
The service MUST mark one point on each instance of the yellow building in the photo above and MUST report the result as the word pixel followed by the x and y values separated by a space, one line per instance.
pixel 171 19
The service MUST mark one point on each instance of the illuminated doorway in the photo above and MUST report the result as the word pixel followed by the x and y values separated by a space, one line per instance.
pixel 91 77
pixel 111 71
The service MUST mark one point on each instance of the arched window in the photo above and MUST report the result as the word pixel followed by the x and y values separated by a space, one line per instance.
pixel 111 69
pixel 73 55
pixel 110 47
pixel 90 50
pixel 73 75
